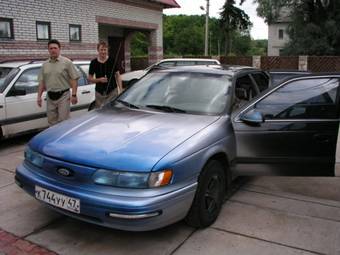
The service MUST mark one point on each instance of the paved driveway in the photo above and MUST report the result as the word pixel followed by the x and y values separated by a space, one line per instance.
pixel 267 215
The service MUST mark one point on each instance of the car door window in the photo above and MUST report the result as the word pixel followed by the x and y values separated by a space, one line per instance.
pixel 261 80
pixel 81 71
pixel 303 99
pixel 28 81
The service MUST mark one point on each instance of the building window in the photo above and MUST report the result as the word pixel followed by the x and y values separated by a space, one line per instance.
pixel 75 32
pixel 43 30
pixel 281 34
pixel 6 28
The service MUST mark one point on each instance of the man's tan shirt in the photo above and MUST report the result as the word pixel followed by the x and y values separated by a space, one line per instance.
pixel 56 74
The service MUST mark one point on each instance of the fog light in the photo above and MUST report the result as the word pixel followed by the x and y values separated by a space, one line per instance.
pixel 134 216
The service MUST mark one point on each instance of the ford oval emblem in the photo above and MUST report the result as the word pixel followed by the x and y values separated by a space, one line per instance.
pixel 64 172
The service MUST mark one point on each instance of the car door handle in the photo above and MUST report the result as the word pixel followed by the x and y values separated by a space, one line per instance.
pixel 322 138
pixel 86 92
pixel 1 106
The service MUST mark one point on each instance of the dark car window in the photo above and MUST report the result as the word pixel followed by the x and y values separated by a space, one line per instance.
pixel 28 81
pixel 166 64
pixel 185 63
pixel 245 90
pixel 303 99
pixel 261 80
pixel 6 76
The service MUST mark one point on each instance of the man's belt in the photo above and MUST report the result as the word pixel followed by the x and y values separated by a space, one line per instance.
pixel 55 95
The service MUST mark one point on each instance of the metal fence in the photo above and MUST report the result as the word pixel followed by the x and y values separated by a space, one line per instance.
pixel 324 63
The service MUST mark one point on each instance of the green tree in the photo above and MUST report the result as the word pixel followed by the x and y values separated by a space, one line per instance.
pixel 313 28
pixel 233 19
pixel 139 45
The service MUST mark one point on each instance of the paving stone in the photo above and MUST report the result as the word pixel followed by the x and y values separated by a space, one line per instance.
pixel 6 178
pixel 302 232
pixel 11 161
pixel 20 213
pixel 291 204
pixel 75 237
pixel 216 242
pixel 306 186
pixel 11 244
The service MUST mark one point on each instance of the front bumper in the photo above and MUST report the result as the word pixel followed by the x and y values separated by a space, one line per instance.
pixel 116 211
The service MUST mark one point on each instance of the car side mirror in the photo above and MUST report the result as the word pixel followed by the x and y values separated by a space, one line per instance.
pixel 241 93
pixel 252 117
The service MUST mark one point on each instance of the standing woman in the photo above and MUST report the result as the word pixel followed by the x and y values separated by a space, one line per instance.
pixel 104 72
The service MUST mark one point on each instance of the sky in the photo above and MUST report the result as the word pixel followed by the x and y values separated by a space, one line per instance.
pixel 192 7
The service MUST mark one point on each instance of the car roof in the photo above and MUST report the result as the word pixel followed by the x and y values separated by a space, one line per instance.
pixel 213 69
pixel 19 63
pixel 188 59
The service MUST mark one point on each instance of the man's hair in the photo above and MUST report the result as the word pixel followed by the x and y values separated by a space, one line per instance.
pixel 102 43
pixel 53 41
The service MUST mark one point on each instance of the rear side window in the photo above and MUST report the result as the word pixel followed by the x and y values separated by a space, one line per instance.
pixel 303 99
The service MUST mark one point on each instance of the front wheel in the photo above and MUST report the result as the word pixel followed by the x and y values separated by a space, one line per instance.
pixel 209 196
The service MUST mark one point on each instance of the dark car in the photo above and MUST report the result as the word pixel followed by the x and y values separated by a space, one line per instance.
pixel 278 76
pixel 169 146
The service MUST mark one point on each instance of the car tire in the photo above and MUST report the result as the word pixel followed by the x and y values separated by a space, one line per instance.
pixel 209 196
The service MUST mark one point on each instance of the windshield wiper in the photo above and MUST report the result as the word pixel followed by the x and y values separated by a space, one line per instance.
pixel 127 104
pixel 166 108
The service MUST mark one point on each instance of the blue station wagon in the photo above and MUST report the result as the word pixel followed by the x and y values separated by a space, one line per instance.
pixel 169 147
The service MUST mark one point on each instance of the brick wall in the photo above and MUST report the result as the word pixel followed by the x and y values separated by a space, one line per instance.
pixel 60 14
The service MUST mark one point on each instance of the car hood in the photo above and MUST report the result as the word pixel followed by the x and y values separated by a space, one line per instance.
pixel 120 139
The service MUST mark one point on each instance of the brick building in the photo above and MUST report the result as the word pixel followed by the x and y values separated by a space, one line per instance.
pixel 26 26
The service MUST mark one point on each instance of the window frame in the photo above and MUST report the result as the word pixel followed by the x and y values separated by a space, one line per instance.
pixel 251 106
pixel 49 30
pixel 69 32
pixel 11 28
pixel 281 34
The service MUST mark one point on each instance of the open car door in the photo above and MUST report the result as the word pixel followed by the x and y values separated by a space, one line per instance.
pixel 289 130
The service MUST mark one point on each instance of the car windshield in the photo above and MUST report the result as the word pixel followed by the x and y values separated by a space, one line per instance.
pixel 181 92
pixel 6 75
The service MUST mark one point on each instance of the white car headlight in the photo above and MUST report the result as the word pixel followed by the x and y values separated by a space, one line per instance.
pixel 33 157
pixel 132 179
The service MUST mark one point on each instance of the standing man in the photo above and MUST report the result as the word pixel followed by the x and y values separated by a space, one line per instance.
pixel 104 71
pixel 57 76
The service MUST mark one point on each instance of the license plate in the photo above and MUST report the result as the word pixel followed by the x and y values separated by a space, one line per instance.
pixel 58 200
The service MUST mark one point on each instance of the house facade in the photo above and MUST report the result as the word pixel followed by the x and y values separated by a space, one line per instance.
pixel 26 27
pixel 277 33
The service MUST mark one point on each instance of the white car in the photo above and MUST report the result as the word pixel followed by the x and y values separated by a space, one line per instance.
pixel 19 112
pixel 135 75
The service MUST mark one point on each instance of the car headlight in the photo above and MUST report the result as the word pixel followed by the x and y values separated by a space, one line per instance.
pixel 132 179
pixel 33 157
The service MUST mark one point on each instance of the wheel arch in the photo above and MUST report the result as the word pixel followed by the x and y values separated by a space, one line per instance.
pixel 223 159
